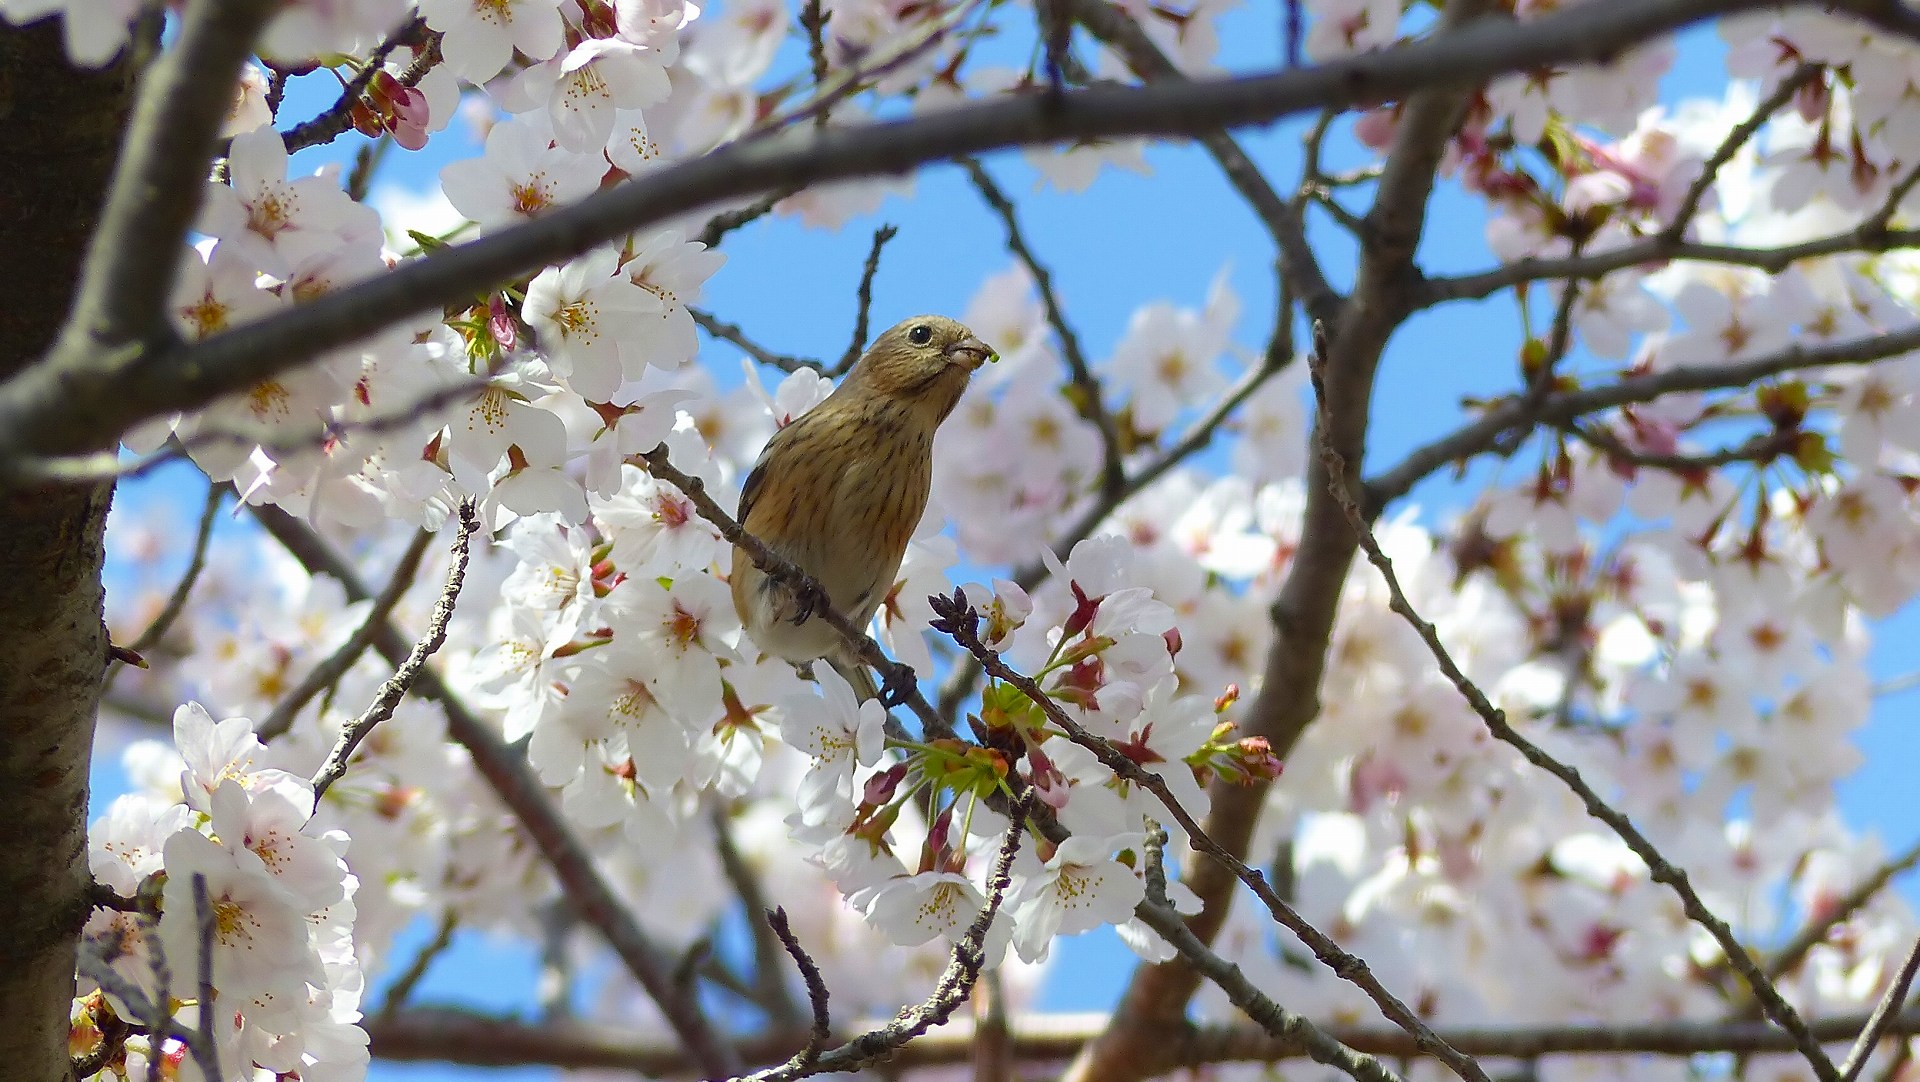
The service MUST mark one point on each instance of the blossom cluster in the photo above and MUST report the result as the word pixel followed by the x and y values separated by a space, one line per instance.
pixel 286 977
pixel 1688 628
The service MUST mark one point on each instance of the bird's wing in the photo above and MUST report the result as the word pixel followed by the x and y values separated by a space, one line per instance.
pixel 757 477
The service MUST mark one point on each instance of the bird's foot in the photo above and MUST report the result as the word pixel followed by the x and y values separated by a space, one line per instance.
pixel 897 686
pixel 809 598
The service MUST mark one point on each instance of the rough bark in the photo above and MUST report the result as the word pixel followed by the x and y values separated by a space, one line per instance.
pixel 60 129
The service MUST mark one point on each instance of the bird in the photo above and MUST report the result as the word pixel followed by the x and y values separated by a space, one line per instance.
pixel 839 490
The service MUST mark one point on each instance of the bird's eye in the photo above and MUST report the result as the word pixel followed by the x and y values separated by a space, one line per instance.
pixel 920 334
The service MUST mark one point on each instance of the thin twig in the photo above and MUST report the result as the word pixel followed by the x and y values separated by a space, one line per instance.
pixel 337 120
pixel 964 964
pixel 1883 1016
pixel 727 221
pixel 335 666
pixel 409 978
pixel 772 993
pixel 1741 134
pixel 1662 871
pixel 1092 404
pixel 204 1046
pixel 822 1029
pixel 813 20
pixel 731 333
pixel 1514 417
pixel 403 677
pixel 177 601
pixel 1761 447
pixel 956 618
pixel 864 298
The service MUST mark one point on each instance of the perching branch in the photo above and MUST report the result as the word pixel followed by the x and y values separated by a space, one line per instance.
pixel 868 652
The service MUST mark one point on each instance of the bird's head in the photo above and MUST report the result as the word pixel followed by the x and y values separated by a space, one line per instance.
pixel 924 362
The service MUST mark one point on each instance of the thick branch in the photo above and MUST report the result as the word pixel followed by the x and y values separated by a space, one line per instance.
pixel 454 1035
pixel 158 185
pixel 89 396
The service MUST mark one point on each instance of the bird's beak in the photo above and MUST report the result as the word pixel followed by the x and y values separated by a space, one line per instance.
pixel 971 352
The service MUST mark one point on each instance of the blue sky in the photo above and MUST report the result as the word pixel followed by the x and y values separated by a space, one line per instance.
pixel 1127 241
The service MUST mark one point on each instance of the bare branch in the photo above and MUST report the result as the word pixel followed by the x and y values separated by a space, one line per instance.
pixel 1513 418
pixel 864 298
pixel 963 969
pixel 177 601
pixel 89 395
pixel 1089 395
pixel 335 666
pixel 1882 1017
pixel 1740 136
pixel 1796 949
pixel 822 1031
pixel 771 992
pixel 409 978
pixel 734 335
pixel 403 677
pixel 1658 867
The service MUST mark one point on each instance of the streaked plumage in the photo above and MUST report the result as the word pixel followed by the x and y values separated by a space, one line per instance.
pixel 839 490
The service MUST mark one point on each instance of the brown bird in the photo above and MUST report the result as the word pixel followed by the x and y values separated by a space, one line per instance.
pixel 839 491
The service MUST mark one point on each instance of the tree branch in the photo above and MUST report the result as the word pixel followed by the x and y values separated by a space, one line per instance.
pixel 459 1035
pixel 863 297
pixel 158 185
pixel 1658 867
pixel 1092 406
pixel 87 396
pixel 1515 416
pixel 335 665
pixel 395 688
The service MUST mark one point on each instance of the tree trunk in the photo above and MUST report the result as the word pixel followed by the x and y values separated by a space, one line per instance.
pixel 60 129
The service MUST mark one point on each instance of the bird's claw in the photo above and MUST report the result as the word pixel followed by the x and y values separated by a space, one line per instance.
pixel 809 598
pixel 898 684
